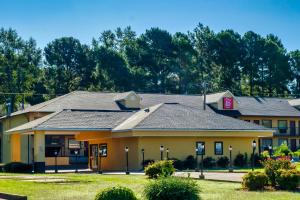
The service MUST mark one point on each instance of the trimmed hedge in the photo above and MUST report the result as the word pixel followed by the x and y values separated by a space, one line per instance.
pixel 209 162
pixel 255 181
pixel 17 167
pixel 162 168
pixel 288 179
pixel 240 160
pixel 116 193
pixel 223 161
pixel 272 166
pixel 172 189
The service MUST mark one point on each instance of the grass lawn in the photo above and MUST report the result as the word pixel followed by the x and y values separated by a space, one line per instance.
pixel 85 186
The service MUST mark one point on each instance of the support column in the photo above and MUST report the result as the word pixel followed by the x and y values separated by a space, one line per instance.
pixel 39 152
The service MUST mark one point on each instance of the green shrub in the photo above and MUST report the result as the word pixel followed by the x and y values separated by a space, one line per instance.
pixel 255 181
pixel 245 159
pixel 223 161
pixel 288 179
pixel 239 160
pixel 257 160
pixel 209 162
pixel 272 166
pixel 172 189
pixel 147 162
pixel 265 155
pixel 190 162
pixel 282 150
pixel 178 164
pixel 163 168
pixel 116 193
pixel 17 167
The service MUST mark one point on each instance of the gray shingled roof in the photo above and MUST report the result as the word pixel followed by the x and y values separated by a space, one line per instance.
pixel 84 120
pixel 177 116
pixel 259 106
pixel 105 101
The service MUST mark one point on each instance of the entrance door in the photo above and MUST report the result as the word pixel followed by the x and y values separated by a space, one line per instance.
pixel 292 128
pixel 94 156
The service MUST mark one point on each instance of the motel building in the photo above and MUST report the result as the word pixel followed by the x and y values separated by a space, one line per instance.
pixel 94 128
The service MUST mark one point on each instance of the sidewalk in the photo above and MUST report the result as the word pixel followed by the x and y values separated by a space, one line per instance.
pixel 215 176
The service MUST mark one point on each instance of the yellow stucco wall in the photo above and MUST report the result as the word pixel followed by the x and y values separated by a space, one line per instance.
pixel 16 148
pixel 275 124
pixel 9 123
pixel 181 147
pixel 12 122
pixel 116 159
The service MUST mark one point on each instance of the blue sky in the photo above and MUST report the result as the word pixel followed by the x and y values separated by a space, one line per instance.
pixel 45 20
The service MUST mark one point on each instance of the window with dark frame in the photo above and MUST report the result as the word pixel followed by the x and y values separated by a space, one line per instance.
pixel 256 122
pixel 218 148
pixel 103 149
pixel 267 123
pixel 282 126
pixel 198 146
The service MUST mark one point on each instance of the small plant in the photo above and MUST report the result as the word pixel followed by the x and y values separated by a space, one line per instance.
pixel 265 155
pixel 272 166
pixel 255 181
pixel 223 161
pixel 116 193
pixel 239 160
pixel 147 162
pixel 209 162
pixel 288 179
pixel 257 160
pixel 162 168
pixel 178 164
pixel 190 162
pixel 245 159
pixel 282 150
pixel 17 167
pixel 172 189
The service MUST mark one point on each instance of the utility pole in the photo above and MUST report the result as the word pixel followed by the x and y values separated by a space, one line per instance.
pixel 204 85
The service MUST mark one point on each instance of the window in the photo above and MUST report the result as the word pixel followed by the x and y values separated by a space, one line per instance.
pixel 282 141
pixel 282 126
pixel 265 143
pixel 103 150
pixel 198 146
pixel 218 148
pixel 267 123
pixel 256 122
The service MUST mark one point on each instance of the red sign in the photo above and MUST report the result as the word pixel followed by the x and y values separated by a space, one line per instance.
pixel 227 103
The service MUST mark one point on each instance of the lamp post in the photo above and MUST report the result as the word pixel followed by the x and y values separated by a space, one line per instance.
pixel 76 158
pixel 126 151
pixel 100 156
pixel 253 151
pixel 143 157
pixel 270 150
pixel 167 150
pixel 55 154
pixel 161 148
pixel 197 165
pixel 230 159
pixel 202 154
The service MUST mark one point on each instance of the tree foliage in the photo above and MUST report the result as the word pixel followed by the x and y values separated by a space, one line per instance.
pixel 154 61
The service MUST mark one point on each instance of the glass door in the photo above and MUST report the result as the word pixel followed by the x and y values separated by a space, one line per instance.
pixel 94 156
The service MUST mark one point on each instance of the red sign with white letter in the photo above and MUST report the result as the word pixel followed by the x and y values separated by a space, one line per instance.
pixel 227 103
